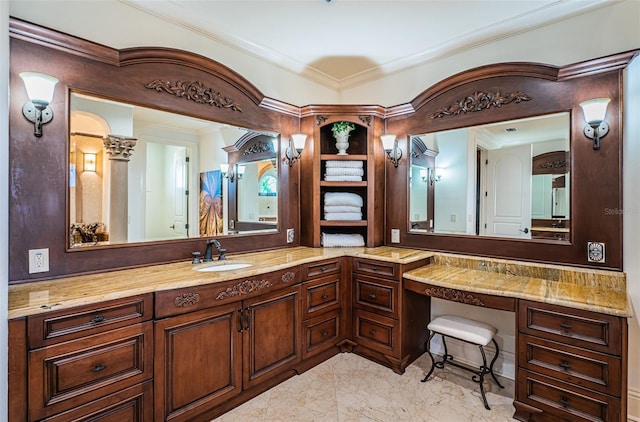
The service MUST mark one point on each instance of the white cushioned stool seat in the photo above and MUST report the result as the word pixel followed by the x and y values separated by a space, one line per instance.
pixel 466 329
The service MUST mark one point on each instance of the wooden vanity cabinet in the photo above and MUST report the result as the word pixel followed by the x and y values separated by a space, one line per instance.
pixel 388 321
pixel 92 362
pixel 571 365
pixel 324 307
pixel 207 357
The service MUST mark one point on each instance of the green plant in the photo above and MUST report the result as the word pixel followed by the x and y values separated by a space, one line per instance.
pixel 339 127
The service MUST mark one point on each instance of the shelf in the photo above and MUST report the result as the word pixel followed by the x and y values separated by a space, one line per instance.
pixel 343 184
pixel 350 157
pixel 343 223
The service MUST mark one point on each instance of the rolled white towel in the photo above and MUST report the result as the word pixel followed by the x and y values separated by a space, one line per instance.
pixel 341 208
pixel 343 178
pixel 343 163
pixel 343 171
pixel 351 216
pixel 332 240
pixel 343 198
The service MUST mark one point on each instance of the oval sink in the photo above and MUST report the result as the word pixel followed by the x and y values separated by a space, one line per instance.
pixel 224 267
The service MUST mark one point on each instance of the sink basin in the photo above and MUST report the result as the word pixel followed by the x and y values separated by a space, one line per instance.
pixel 224 267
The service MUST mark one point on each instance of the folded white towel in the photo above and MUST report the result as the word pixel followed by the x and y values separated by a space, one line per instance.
pixel 341 208
pixel 351 216
pixel 343 171
pixel 332 240
pixel 343 178
pixel 343 198
pixel 343 163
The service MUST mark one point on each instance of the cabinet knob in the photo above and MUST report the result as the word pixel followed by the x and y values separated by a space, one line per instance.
pixel 325 333
pixel 373 332
pixel 566 326
pixel 374 268
pixel 99 368
pixel 97 319
pixel 324 296
pixel 323 269
pixel 564 402
pixel 373 296
pixel 565 365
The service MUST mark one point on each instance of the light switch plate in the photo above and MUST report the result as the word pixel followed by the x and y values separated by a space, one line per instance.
pixel 395 236
pixel 38 260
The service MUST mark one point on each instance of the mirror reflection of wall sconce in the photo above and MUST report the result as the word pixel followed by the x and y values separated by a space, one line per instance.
pixel 435 175
pixel 594 113
pixel 40 91
pixel 241 169
pixel 296 145
pixel 89 162
pixel 424 175
pixel 390 145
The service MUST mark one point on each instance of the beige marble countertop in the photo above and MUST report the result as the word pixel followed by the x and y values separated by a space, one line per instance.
pixel 588 289
pixel 42 296
pixel 551 229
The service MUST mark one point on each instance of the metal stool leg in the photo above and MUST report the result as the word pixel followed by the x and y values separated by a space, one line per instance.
pixel 480 377
pixel 433 362
pixel 494 361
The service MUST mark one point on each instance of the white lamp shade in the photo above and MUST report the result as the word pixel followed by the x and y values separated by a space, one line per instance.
pixel 299 140
pixel 423 174
pixel 595 110
pixel 388 141
pixel 241 170
pixel 89 162
pixel 39 86
pixel 224 168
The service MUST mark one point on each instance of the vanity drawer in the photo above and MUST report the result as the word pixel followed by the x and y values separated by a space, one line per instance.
pixel 377 268
pixel 66 375
pixel 596 371
pixel 581 328
pixel 67 324
pixel 378 295
pixel 321 295
pixel 319 269
pixel 320 333
pixel 556 398
pixel 375 331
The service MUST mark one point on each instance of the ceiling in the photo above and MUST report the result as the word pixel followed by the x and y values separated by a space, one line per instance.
pixel 342 40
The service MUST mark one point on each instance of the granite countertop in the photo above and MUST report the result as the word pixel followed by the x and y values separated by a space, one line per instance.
pixel 588 289
pixel 551 229
pixel 42 296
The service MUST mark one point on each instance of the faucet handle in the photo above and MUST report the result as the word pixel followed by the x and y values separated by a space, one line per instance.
pixel 222 252
pixel 196 257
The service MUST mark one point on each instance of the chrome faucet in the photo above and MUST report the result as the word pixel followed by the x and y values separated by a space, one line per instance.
pixel 208 251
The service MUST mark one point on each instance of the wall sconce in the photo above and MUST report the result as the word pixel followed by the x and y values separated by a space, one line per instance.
pixel 424 175
pixel 296 145
pixel 40 91
pixel 390 145
pixel 594 113
pixel 241 169
pixel 435 176
pixel 89 162
pixel 227 173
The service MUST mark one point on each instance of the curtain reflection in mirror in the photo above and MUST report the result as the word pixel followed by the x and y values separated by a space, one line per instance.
pixel 211 221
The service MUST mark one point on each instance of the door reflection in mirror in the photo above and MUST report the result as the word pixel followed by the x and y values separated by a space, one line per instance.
pixel 491 186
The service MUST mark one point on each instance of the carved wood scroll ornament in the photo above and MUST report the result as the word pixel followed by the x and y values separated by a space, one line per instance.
pixel 479 101
pixel 244 288
pixel 288 277
pixel 454 295
pixel 258 148
pixel 186 299
pixel 194 91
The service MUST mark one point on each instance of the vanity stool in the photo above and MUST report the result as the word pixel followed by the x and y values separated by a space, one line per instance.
pixel 469 331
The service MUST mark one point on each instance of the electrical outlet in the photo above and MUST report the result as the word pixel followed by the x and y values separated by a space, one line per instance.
pixel 38 260
pixel 453 218
pixel 595 252
pixel 291 235
pixel 395 236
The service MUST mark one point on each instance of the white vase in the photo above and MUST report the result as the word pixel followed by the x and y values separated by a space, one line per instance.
pixel 342 142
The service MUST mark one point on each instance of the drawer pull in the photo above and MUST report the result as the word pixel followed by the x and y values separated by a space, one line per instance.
pixel 325 333
pixel 566 326
pixel 373 296
pixel 324 296
pixel 97 319
pixel 373 332
pixel 99 368
pixel 564 402
pixel 323 269
pixel 374 268
pixel 565 365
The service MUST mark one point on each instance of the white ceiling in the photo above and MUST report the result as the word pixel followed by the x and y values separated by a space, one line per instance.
pixel 344 39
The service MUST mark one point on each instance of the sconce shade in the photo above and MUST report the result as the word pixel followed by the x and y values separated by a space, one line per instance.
pixel 39 86
pixel 241 170
pixel 299 140
pixel 595 110
pixel 388 142
pixel 423 174
pixel 224 168
pixel 89 162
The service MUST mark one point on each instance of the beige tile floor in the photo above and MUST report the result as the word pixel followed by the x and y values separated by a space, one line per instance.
pixel 349 388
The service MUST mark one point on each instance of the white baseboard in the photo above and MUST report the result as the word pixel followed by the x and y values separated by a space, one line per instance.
pixel 633 405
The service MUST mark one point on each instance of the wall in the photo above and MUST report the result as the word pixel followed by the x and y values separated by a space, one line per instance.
pixel 631 218
pixel 4 200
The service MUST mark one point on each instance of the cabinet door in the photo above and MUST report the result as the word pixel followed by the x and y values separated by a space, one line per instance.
pixel 198 362
pixel 272 337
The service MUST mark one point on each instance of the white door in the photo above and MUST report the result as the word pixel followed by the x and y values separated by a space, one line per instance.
pixel 508 196
pixel 180 199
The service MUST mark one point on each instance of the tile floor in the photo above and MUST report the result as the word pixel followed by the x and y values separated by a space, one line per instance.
pixel 349 388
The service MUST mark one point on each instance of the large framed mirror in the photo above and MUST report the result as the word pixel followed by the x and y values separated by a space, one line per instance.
pixel 508 179
pixel 140 175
